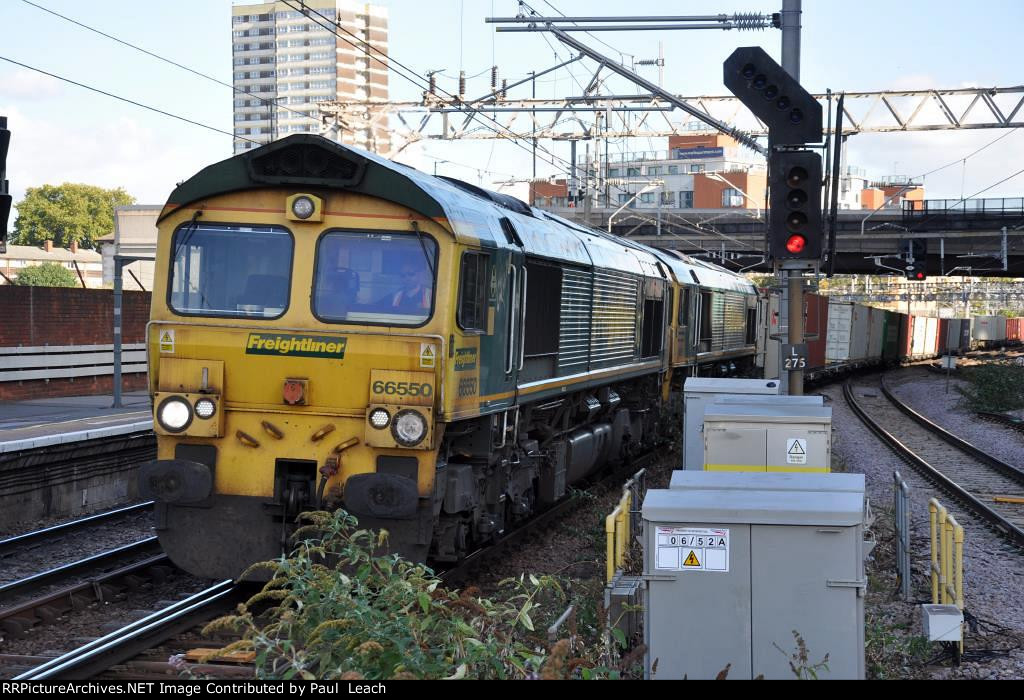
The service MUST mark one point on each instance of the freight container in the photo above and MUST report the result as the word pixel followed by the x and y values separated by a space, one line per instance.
pixel 906 335
pixel 876 334
pixel 943 336
pixel 931 340
pixel 859 333
pixel 1014 329
pixel 988 330
pixel 965 343
pixel 891 342
pixel 919 338
pixel 816 324
pixel 840 324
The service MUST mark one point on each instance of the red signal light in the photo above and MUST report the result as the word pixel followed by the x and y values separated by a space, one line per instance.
pixel 919 275
pixel 795 243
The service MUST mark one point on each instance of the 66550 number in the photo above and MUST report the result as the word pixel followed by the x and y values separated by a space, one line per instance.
pixel 401 388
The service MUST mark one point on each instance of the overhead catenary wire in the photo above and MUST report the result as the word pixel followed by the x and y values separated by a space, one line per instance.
pixel 125 99
pixel 241 91
pixel 410 75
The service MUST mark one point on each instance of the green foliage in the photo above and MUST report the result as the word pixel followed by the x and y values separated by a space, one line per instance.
pixel 66 213
pixel 994 386
pixel 800 660
pixel 892 651
pixel 46 275
pixel 377 616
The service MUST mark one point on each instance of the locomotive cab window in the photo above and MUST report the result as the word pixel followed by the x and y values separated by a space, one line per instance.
pixel 704 332
pixel 474 283
pixel 239 271
pixel 375 278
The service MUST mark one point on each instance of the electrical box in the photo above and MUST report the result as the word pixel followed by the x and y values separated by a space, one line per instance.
pixel 734 563
pixel 770 437
pixel 698 392
pixel 942 623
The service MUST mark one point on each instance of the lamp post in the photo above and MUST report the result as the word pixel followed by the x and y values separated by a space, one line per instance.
pixel 653 185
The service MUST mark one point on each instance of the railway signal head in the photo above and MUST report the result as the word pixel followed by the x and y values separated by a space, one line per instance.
pixel 791 113
pixel 795 221
pixel 917 258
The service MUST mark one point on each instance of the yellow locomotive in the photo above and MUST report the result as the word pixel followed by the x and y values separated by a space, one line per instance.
pixel 333 329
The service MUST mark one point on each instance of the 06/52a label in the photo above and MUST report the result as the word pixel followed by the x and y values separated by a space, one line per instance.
pixel 692 549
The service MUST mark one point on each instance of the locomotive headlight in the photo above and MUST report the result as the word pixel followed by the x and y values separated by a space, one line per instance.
pixel 409 427
pixel 174 414
pixel 303 207
pixel 379 418
pixel 205 408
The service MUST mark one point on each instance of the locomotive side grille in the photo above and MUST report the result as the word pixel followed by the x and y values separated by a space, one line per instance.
pixel 574 336
pixel 613 340
pixel 734 321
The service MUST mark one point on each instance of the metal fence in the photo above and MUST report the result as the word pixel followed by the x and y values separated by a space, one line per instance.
pixel 67 361
pixel 901 519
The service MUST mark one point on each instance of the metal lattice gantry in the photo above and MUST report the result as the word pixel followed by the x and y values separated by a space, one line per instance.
pixel 592 115
pixel 988 292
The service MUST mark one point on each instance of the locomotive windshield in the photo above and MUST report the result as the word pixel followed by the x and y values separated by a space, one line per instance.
pixel 375 278
pixel 241 271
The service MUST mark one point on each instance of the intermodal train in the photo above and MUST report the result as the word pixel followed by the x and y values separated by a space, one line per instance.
pixel 331 329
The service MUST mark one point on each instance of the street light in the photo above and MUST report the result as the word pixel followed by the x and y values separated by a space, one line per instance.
pixel 757 205
pixel 653 185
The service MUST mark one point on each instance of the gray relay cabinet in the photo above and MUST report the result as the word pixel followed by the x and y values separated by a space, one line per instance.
pixel 735 562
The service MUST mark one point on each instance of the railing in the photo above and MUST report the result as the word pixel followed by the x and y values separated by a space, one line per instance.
pixel 947 545
pixel 995 207
pixel 901 519
pixel 621 523
pixel 67 361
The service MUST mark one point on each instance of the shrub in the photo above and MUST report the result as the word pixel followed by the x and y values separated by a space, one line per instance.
pixel 995 386
pixel 46 275
pixel 377 616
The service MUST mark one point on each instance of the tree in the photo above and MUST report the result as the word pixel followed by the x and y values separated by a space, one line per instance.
pixel 66 213
pixel 46 275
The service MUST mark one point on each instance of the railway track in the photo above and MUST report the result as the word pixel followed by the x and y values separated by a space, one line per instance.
pixel 128 642
pixel 45 534
pixel 992 489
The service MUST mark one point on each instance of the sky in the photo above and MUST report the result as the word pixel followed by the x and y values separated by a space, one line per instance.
pixel 64 133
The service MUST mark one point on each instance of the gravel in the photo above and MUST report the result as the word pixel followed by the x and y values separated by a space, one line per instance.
pixel 993 570
pixel 75 545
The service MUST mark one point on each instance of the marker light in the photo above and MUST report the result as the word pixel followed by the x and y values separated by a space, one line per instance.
pixel 205 408
pixel 303 207
pixel 795 243
pixel 379 418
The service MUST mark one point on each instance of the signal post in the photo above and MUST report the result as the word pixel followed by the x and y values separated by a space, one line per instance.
pixel 795 222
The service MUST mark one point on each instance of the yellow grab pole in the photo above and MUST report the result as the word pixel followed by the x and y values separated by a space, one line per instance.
pixel 609 532
pixel 933 508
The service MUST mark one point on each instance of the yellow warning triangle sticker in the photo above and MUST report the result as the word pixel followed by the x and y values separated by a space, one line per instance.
pixel 166 337
pixel 692 560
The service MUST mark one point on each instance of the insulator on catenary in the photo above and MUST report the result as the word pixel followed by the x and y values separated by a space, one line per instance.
pixel 749 20
pixel 462 83
pixel 433 85
pixel 494 78
pixel 504 88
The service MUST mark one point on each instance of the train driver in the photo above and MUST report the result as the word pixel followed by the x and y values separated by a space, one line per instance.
pixel 414 296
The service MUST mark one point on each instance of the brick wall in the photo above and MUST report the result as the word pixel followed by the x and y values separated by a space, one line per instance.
pixel 32 316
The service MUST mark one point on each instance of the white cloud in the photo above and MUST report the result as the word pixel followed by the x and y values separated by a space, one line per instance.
pixel 123 151
pixel 27 86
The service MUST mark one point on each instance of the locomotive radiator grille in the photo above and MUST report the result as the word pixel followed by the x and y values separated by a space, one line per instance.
pixel 614 334
pixel 574 335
